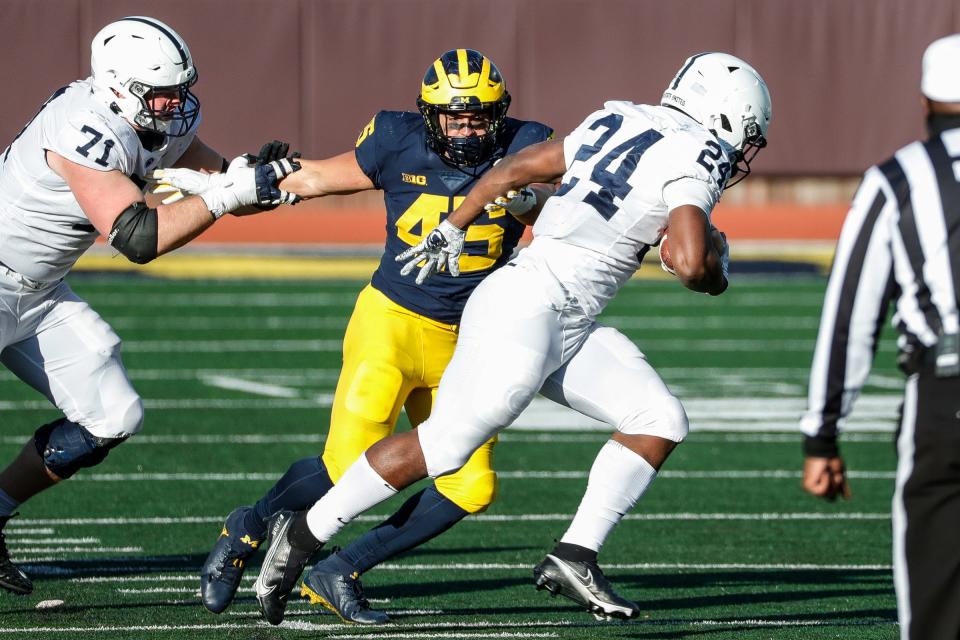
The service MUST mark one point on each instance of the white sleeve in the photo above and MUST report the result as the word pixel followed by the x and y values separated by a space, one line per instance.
pixel 690 191
pixel 87 140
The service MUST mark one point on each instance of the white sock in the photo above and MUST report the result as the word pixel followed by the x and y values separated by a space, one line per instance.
pixel 618 478
pixel 359 489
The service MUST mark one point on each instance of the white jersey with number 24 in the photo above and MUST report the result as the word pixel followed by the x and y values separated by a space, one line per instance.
pixel 628 166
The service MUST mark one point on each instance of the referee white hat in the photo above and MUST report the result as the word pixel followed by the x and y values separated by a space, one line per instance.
pixel 941 70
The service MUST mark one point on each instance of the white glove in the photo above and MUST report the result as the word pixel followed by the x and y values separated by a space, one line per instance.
pixel 180 183
pixel 441 249
pixel 241 185
pixel 515 202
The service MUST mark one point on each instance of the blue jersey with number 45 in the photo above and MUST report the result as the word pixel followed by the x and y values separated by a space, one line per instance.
pixel 421 190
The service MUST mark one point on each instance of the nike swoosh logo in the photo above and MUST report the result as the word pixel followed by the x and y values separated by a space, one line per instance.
pixel 342 521
pixel 263 591
pixel 585 579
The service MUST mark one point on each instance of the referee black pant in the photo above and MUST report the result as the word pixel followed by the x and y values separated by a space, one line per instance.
pixel 926 509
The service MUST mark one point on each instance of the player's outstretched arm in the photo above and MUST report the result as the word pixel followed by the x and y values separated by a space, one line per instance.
pixel 542 162
pixel 339 175
pixel 698 250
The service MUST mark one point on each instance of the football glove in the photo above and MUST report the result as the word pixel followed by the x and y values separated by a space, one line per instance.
pixel 515 202
pixel 241 185
pixel 441 249
pixel 180 183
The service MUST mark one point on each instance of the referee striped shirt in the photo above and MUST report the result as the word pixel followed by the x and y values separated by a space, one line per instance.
pixel 900 243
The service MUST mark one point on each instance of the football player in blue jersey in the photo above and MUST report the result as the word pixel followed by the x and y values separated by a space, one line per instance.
pixel 400 336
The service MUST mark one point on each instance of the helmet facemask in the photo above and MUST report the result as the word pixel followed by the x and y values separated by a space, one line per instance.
pixel 753 141
pixel 461 82
pixel 174 122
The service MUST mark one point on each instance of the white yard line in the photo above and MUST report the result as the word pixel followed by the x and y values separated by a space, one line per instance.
pixel 513 566
pixel 874 413
pixel 256 388
pixel 19 541
pixel 545 436
pixel 734 474
pixel 411 630
pixel 527 517
pixel 22 551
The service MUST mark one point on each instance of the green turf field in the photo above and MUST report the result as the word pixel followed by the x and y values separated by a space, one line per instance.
pixel 238 377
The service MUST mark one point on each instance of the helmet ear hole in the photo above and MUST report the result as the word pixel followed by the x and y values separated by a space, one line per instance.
pixel 725 122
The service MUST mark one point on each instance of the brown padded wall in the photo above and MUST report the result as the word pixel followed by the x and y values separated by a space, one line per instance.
pixel 844 74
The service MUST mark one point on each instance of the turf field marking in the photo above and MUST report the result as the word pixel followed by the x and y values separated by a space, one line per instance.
pixel 339 322
pixel 501 566
pixel 504 475
pixel 239 300
pixel 528 517
pixel 309 299
pixel 34 550
pixel 257 388
pixel 232 346
pixel 18 541
pixel 335 346
pixel 546 436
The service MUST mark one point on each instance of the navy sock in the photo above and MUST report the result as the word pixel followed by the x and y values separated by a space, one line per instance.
pixel 7 504
pixel 423 517
pixel 574 552
pixel 305 482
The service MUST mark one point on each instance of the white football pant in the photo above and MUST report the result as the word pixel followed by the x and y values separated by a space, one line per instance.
pixel 521 333
pixel 52 340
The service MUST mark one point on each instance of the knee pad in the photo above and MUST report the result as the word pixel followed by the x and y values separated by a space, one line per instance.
pixel 472 492
pixel 66 447
pixel 666 419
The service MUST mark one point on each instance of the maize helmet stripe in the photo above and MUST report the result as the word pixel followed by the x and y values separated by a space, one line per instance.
pixel 463 80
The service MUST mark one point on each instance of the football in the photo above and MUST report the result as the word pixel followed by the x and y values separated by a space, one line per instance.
pixel 666 261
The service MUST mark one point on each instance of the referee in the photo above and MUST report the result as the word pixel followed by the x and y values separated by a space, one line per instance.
pixel 900 243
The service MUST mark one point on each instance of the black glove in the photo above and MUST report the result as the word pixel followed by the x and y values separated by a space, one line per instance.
pixel 273 152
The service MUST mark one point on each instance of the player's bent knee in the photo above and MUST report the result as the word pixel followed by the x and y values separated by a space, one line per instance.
pixel 126 418
pixel 472 492
pixel 66 447
pixel 666 419
pixel 443 455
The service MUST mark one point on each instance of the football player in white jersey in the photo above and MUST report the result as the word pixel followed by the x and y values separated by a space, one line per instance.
pixel 74 172
pixel 630 174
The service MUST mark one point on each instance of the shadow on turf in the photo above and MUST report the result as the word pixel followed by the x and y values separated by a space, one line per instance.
pixel 65 569
pixel 755 592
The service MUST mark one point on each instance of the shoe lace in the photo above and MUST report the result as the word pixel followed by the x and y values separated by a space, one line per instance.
pixel 357 588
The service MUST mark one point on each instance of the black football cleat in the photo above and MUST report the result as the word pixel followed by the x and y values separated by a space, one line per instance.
pixel 282 565
pixel 341 592
pixel 12 578
pixel 223 569
pixel 585 584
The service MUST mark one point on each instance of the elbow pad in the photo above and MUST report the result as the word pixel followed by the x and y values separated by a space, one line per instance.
pixel 134 233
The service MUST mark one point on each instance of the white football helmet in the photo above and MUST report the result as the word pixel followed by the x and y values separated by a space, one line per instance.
pixel 135 58
pixel 727 96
